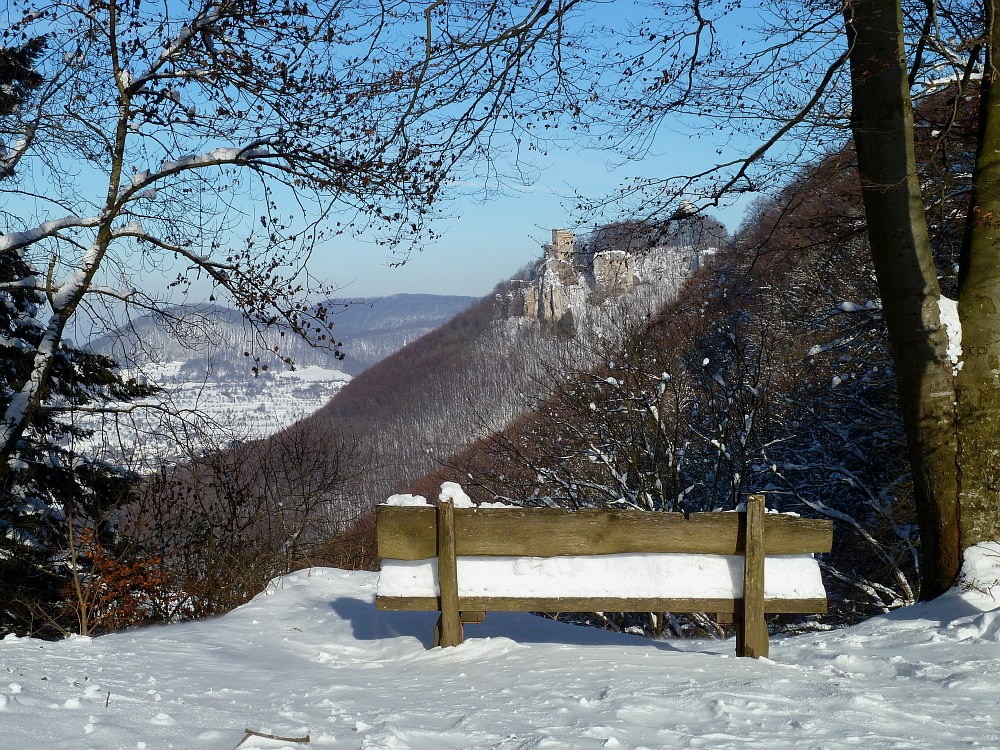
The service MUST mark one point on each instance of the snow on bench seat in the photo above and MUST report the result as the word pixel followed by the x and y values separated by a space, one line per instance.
pixel 627 575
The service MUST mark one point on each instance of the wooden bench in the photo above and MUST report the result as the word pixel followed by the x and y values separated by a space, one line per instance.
pixel 446 534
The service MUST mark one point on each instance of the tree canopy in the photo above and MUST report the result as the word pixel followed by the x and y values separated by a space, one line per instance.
pixel 808 75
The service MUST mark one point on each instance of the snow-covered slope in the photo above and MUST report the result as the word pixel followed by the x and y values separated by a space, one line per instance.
pixel 311 656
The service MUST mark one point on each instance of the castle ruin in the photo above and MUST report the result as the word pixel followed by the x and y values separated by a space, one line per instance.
pixel 564 278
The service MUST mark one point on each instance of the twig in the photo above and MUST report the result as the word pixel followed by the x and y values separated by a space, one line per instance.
pixel 252 733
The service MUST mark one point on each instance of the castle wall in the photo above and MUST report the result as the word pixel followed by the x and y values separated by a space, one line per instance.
pixel 559 285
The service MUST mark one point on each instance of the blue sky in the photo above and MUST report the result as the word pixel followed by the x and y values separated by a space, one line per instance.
pixel 486 240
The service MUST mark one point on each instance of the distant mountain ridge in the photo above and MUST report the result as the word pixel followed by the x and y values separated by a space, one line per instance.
pixel 215 337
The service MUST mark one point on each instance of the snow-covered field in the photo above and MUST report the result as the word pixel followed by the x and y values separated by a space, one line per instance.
pixel 254 407
pixel 261 405
pixel 311 656
pixel 207 409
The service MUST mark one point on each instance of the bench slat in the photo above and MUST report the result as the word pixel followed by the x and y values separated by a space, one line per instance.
pixel 602 604
pixel 410 533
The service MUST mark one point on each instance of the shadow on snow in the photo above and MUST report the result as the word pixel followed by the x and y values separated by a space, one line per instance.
pixel 369 624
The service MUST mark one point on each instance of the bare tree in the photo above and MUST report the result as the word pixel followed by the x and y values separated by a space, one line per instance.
pixel 159 134
pixel 226 521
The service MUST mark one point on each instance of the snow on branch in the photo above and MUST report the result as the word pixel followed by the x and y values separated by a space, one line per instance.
pixel 29 282
pixel 16 240
pixel 141 181
pixel 9 159
pixel 224 155
pixel 198 24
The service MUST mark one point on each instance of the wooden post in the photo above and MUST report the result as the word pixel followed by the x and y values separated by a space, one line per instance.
pixel 449 629
pixel 751 635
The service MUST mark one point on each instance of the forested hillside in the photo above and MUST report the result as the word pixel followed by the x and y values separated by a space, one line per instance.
pixel 770 373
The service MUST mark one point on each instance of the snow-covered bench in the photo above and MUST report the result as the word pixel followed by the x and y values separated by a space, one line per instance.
pixel 466 561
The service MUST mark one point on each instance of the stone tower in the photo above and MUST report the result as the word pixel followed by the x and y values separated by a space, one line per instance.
pixel 562 245
pixel 547 299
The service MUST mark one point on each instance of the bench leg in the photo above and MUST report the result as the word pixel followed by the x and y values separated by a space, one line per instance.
pixel 450 634
pixel 464 618
pixel 751 636
pixel 736 620
pixel 753 627
pixel 449 630
pixel 741 640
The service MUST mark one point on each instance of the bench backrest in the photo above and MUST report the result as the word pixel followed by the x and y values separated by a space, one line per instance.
pixel 411 533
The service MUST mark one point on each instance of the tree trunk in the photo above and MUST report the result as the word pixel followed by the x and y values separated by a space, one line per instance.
pixel 979 297
pixel 882 124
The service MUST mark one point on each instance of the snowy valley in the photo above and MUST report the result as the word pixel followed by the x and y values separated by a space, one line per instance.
pixel 209 409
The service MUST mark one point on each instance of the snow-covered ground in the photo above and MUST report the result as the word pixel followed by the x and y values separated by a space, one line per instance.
pixel 256 406
pixel 311 656
pixel 208 409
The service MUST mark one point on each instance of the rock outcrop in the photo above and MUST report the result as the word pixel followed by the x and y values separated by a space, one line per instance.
pixel 565 277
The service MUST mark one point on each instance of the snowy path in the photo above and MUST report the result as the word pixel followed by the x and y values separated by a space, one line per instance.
pixel 313 656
